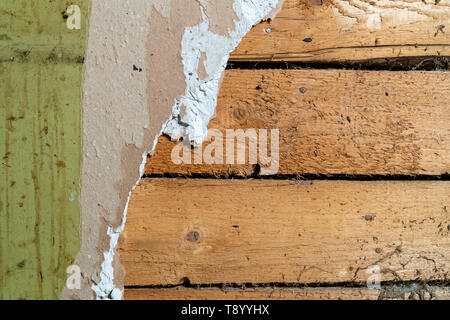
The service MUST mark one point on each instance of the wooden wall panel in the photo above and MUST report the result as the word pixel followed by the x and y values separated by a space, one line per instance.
pixel 397 292
pixel 345 123
pixel 41 66
pixel 264 231
pixel 350 31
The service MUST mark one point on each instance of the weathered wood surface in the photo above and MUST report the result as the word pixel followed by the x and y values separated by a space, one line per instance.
pixel 346 123
pixel 41 66
pixel 412 291
pixel 263 231
pixel 350 31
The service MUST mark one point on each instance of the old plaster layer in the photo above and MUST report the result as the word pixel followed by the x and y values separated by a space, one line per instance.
pixel 143 78
pixel 40 146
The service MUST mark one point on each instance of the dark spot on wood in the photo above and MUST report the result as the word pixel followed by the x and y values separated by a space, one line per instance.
pixel 307 40
pixel 185 282
pixel 193 236
pixel 440 28
pixel 61 164
pixel 239 113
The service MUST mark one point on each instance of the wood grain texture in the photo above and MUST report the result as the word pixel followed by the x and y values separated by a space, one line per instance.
pixel 264 231
pixel 408 292
pixel 346 123
pixel 349 31
pixel 41 66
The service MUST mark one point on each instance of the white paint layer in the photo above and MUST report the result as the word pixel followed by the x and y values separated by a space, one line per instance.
pixel 200 99
pixel 106 289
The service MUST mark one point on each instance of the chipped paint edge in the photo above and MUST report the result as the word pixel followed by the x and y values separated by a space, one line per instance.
pixel 106 284
pixel 200 98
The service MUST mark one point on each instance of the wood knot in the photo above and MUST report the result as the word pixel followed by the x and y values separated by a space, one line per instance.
pixel 193 236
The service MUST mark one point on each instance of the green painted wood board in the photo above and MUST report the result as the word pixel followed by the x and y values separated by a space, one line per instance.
pixel 41 67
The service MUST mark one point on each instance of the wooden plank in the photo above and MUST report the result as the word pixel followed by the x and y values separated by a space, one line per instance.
pixel 397 292
pixel 265 231
pixel 350 31
pixel 345 123
pixel 41 67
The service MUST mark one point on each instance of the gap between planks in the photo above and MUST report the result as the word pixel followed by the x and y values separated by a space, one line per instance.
pixel 413 291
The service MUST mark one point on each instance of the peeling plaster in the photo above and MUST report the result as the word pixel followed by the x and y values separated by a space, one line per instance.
pixel 125 111
pixel 106 288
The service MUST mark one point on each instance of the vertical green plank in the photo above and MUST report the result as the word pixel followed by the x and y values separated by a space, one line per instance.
pixel 41 65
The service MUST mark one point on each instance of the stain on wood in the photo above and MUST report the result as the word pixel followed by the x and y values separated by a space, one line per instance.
pixel 269 231
pixel 41 65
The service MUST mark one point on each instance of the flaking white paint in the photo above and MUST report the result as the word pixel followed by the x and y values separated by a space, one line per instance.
pixel 200 99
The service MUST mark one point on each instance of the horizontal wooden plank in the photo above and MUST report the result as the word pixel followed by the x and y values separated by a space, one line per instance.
pixel 265 231
pixel 349 31
pixel 344 122
pixel 397 292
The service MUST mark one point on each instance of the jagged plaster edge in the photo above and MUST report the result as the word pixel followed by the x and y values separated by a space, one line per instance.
pixel 200 102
